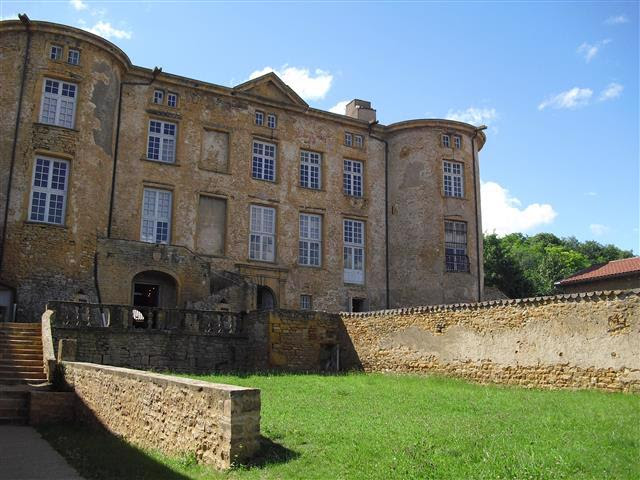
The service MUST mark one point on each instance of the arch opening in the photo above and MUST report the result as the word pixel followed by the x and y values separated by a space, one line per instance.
pixel 154 289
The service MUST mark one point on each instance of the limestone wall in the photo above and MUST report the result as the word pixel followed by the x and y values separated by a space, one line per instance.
pixel 219 423
pixel 588 340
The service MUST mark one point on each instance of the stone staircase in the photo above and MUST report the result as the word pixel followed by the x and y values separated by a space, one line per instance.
pixel 21 365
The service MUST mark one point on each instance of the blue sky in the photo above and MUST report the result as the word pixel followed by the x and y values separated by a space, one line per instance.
pixel 557 83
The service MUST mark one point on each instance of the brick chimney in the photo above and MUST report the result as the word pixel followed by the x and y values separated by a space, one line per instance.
pixel 361 109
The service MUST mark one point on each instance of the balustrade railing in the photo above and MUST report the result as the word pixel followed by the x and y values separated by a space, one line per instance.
pixel 129 317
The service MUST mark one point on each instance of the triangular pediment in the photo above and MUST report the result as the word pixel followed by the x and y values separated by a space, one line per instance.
pixel 270 87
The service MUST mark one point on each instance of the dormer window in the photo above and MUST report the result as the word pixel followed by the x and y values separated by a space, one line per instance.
pixel 158 97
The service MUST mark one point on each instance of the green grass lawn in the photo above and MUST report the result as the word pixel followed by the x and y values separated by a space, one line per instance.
pixel 406 427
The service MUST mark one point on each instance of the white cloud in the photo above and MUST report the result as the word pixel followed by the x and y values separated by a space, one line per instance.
pixel 310 86
pixel 503 214
pixel 612 91
pixel 598 229
pixel 78 4
pixel 106 30
pixel 340 107
pixel 574 98
pixel 589 51
pixel 474 116
pixel 616 20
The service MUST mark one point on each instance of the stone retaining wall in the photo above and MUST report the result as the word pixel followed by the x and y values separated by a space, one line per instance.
pixel 588 340
pixel 220 424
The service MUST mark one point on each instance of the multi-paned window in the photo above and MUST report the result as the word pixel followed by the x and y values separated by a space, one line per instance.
pixel 49 191
pixel 172 99
pixel 263 166
pixel 353 238
pixel 259 118
pixel 73 57
pixel 310 169
pixel 158 97
pixel 455 246
pixel 352 178
pixel 156 216
pixel 271 121
pixel 162 141
pixel 310 244
pixel 306 302
pixel 58 103
pixel 446 141
pixel 348 139
pixel 453 179
pixel 56 52
pixel 358 141
pixel 262 239
pixel 457 141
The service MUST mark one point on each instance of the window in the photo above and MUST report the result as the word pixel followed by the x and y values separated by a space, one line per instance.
pixel 271 121
pixel 348 139
pixel 264 161
pixel 74 57
pixel 49 191
pixel 305 302
pixel 56 52
pixel 352 178
pixel 58 103
pixel 457 141
pixel 259 118
pixel 262 239
pixel 453 179
pixel 310 240
pixel 310 169
pixel 446 141
pixel 455 246
pixel 156 216
pixel 353 236
pixel 158 97
pixel 172 99
pixel 359 140
pixel 162 141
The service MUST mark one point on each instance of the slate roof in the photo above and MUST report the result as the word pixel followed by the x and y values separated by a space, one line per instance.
pixel 615 268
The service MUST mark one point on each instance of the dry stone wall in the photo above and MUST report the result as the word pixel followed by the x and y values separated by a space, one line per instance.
pixel 218 423
pixel 588 340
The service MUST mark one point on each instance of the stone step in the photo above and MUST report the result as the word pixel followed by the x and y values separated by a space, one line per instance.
pixel 22 381
pixel 20 336
pixel 15 373
pixel 21 402
pixel 29 357
pixel 19 340
pixel 19 412
pixel 36 362
pixel 20 346
pixel 20 325
pixel 20 368
pixel 14 394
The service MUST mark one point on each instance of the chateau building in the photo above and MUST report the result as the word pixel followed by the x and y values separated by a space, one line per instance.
pixel 128 185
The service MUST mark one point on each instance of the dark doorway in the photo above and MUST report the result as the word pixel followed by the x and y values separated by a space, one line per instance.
pixel 358 305
pixel 145 295
pixel 266 299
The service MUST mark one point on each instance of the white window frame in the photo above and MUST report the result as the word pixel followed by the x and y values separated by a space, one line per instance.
pixel 158 97
pixel 358 141
pixel 353 251
pixel 306 302
pixel 161 146
pixel 453 179
pixel 310 169
pixel 44 185
pixel 73 56
pixel 272 121
pixel 259 118
pixel 310 242
pixel 446 141
pixel 262 236
pixel 156 218
pixel 172 103
pixel 263 161
pixel 348 139
pixel 457 141
pixel 353 180
pixel 58 49
pixel 58 107
pixel 455 246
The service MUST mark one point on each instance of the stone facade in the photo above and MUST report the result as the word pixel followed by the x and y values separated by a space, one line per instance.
pixel 96 250
pixel 218 423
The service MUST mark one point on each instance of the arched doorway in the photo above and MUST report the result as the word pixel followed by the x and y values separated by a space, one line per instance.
pixel 266 298
pixel 154 289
